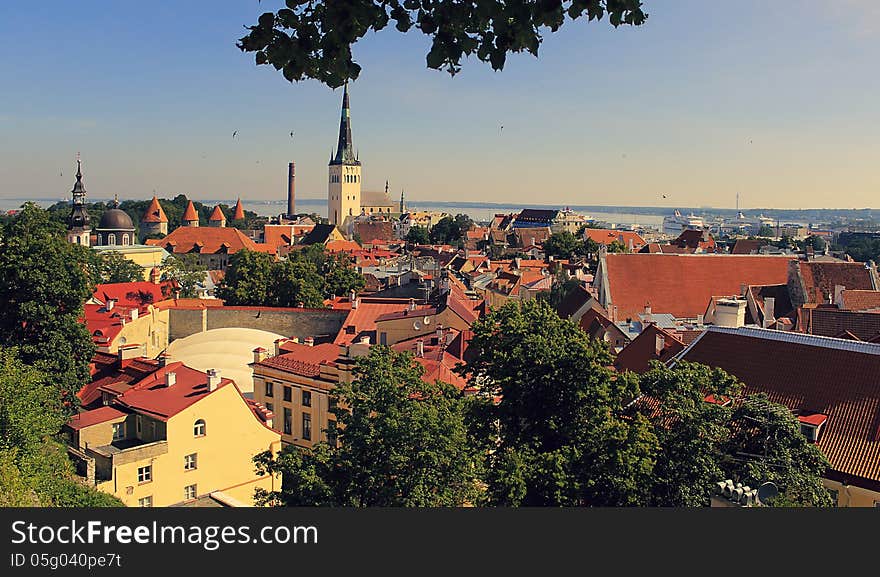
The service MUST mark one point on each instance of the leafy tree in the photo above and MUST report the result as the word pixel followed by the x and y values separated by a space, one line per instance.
pixel 562 287
pixel 401 442
pixel 340 276
pixel 186 270
pixel 563 245
pixel 44 281
pixel 112 267
pixel 617 246
pixel 418 235
pixel 751 439
pixel 563 437
pixel 34 468
pixel 294 283
pixel 766 230
pixel 247 279
pixel 314 39
pixel 450 230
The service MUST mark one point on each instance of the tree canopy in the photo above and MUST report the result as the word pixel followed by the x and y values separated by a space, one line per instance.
pixel 418 235
pixel 314 39
pixel 186 270
pixel 112 267
pixel 401 442
pixel 44 282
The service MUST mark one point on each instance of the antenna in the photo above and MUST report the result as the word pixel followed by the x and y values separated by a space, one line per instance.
pixel 767 492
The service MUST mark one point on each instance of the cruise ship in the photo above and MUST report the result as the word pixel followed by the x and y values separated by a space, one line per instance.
pixel 676 223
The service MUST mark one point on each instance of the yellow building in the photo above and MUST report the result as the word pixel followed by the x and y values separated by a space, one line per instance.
pixel 146 256
pixel 176 436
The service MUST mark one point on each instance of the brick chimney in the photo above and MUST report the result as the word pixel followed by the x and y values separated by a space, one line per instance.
pixel 134 314
pixel 769 311
pixel 420 348
pixel 259 354
pixel 127 352
pixel 213 379
pixel 170 379
pixel 309 341
pixel 278 343
pixel 110 304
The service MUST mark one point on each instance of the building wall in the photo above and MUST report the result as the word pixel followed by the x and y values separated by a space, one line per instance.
pixel 852 496
pixel 224 455
pixel 343 198
pixel 300 323
pixel 397 330
pixel 149 330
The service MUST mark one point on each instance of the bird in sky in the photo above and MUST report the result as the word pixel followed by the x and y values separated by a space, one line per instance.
pixel 664 196
pixel 502 128
pixel 291 134
pixel 234 132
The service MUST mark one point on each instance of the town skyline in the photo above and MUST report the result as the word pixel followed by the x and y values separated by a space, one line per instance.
pixel 158 114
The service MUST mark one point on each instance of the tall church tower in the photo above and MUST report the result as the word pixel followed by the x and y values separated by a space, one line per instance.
pixel 344 186
pixel 79 228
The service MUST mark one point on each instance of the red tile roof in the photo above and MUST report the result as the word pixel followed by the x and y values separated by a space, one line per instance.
pixel 830 321
pixel 820 278
pixel 608 235
pixel 239 211
pixel 208 240
pixel 747 246
pixel 438 363
pixel 154 212
pixel 861 300
pixel 217 214
pixel 363 319
pixel 94 417
pixel 682 284
pixel 151 396
pixel 301 359
pixel 108 371
pixel 133 294
pixel 638 354
pixel 190 213
pixel 334 246
pixel 809 375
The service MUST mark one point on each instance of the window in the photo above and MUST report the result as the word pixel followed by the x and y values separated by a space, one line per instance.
pixel 270 407
pixel 199 428
pixel 809 432
pixel 189 492
pixel 307 427
pixel 145 474
pixel 268 389
pixel 835 495
pixel 307 399
pixel 145 501
pixel 287 394
pixel 877 503
pixel 288 421
pixel 331 433
pixel 118 431
pixel 191 462
pixel 111 239
pixel 140 423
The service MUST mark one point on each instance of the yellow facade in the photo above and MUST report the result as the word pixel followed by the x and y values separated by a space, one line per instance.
pixel 392 331
pixel 149 330
pixel 145 256
pixel 223 455
pixel 852 496
pixel 343 193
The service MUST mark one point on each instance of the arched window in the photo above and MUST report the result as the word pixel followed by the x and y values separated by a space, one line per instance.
pixel 199 428
pixel 111 239
pixel 124 240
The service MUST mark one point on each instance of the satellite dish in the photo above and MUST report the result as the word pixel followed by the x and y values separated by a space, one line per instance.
pixel 766 492
pixel 426 320
pixel 417 325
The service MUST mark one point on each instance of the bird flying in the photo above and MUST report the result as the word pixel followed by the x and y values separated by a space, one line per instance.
pixel 234 132
pixel 291 134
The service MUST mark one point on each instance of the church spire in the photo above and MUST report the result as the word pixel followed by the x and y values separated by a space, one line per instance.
pixel 344 148
pixel 79 190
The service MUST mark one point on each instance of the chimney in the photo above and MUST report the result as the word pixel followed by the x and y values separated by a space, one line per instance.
pixel 163 360
pixel 291 188
pixel 110 304
pixel 649 318
pixel 127 352
pixel 309 341
pixel 769 311
pixel 213 379
pixel 294 340
pixel 659 344
pixel 259 354
pixel 134 314
pixel 155 275
pixel 412 304
pixel 439 334
pixel 420 348
pixel 838 295
pixel 278 343
pixel 365 340
pixel 629 245
pixel 170 378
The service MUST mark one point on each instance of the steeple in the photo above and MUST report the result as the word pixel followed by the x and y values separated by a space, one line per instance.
pixel 402 205
pixel 79 190
pixel 79 221
pixel 344 149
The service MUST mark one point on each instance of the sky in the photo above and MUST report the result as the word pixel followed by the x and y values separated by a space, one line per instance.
pixel 776 101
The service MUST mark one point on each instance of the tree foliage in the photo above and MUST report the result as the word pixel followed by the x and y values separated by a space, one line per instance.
pixel 304 279
pixel 187 271
pixel 418 235
pixel 563 245
pixel 401 442
pixel 450 230
pixel 112 267
pixel 34 468
pixel 314 39
pixel 44 282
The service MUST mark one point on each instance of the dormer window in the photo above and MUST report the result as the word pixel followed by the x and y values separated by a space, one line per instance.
pixel 811 425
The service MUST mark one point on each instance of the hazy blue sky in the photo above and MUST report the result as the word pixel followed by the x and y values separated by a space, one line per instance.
pixel 777 100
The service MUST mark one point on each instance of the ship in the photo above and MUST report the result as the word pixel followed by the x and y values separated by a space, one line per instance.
pixel 676 223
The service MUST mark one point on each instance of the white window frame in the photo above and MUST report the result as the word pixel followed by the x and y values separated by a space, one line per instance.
pixel 145 501
pixel 200 425
pixel 119 431
pixel 146 476
pixel 190 492
pixel 191 462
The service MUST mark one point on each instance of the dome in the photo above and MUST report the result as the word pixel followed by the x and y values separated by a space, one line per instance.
pixel 116 219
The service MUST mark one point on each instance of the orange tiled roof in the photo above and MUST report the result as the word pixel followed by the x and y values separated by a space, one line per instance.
pixel 239 211
pixel 638 354
pixel 682 284
pixel 217 215
pixel 94 417
pixel 342 246
pixel 154 212
pixel 190 213
pixel 608 235
pixel 861 300
pixel 303 359
pixel 363 319
pixel 820 278
pixel 210 240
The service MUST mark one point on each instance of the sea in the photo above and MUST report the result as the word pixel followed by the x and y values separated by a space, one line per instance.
pixel 479 212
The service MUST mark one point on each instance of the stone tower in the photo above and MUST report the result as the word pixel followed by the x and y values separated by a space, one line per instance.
pixel 344 186
pixel 79 228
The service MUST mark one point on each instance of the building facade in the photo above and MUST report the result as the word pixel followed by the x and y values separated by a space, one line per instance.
pixel 344 184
